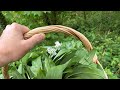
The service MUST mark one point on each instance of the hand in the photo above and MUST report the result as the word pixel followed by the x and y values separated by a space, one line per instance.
pixel 13 46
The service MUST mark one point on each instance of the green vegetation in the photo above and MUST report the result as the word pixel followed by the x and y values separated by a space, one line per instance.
pixel 70 59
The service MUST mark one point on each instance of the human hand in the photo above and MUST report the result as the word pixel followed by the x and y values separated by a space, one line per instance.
pixel 13 46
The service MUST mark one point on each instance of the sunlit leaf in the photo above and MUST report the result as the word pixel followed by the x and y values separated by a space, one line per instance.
pixel 86 72
pixel 36 65
pixel 28 71
pixel 16 74
pixel 56 72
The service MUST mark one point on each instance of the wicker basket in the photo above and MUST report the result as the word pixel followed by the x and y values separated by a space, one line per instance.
pixel 55 28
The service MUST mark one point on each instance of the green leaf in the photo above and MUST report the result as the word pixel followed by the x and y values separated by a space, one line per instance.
pixel 59 59
pixel 25 58
pixel 56 72
pixel 48 63
pixel 91 54
pixel 33 55
pixel 27 12
pixel 62 51
pixel 1 76
pixel 79 56
pixel 88 59
pixel 36 65
pixel 20 69
pixel 28 71
pixel 36 13
pixel 40 74
pixel 86 72
pixel 68 56
pixel 16 74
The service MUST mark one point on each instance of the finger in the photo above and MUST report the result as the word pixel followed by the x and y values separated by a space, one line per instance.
pixel 25 29
pixel 7 26
pixel 31 42
pixel 17 26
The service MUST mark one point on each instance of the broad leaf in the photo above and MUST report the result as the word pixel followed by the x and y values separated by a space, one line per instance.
pixel 25 58
pixel 79 55
pixel 36 65
pixel 88 58
pixel 86 72
pixel 48 63
pixel 16 74
pixel 62 51
pixel 68 56
pixel 28 71
pixel 56 72
pixel 40 74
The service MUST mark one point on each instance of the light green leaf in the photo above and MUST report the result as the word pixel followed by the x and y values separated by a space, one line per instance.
pixel 56 72
pixel 40 74
pixel 33 55
pixel 20 69
pixel 88 58
pixel 91 55
pixel 79 56
pixel 16 74
pixel 86 72
pixel 25 58
pixel 59 59
pixel 68 56
pixel 1 76
pixel 28 71
pixel 36 65
pixel 48 63
pixel 62 51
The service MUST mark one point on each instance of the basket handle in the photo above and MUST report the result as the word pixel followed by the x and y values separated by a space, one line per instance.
pixel 55 28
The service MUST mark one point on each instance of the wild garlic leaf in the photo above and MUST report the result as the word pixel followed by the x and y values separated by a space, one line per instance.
pixel 62 51
pixel 48 63
pixel 68 56
pixel 20 69
pixel 16 74
pixel 28 70
pixel 86 72
pixel 79 55
pixel 40 74
pixel 88 58
pixel 25 58
pixel 36 65
pixel 56 72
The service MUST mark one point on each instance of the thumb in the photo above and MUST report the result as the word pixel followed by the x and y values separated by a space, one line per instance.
pixel 31 42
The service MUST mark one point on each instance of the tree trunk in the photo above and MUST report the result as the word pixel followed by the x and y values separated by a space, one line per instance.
pixel 46 18
pixel 51 18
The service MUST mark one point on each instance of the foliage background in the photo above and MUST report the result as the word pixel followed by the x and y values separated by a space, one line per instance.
pixel 102 28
